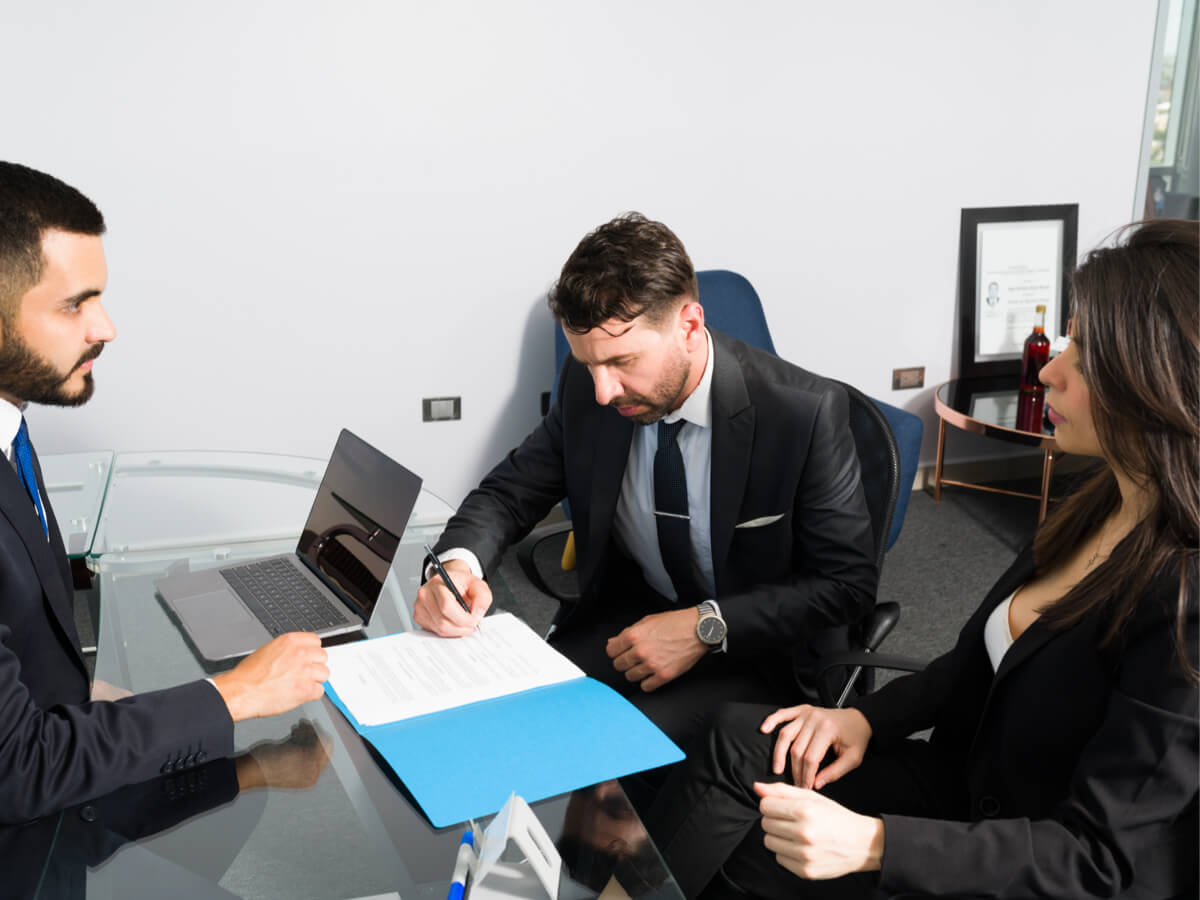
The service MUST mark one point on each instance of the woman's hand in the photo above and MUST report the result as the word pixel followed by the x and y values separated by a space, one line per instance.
pixel 815 837
pixel 808 733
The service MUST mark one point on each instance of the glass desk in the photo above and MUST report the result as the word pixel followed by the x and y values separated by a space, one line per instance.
pixel 988 406
pixel 76 483
pixel 337 829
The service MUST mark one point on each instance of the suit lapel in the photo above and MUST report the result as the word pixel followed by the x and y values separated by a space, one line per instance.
pixel 733 419
pixel 48 557
pixel 610 454
pixel 1031 640
pixel 56 542
pixel 1033 637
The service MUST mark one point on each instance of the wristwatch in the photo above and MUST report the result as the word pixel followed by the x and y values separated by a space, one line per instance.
pixel 711 628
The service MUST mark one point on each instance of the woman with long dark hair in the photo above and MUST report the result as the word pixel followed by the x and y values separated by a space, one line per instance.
pixel 1063 760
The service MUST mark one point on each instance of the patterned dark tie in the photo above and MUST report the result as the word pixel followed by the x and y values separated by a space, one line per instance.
pixel 671 512
pixel 23 451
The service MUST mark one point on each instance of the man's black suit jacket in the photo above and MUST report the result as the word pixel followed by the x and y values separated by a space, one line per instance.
pixel 792 547
pixel 1072 769
pixel 56 747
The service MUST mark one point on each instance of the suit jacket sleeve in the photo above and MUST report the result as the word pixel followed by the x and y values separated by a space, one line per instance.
pixel 1136 775
pixel 515 495
pixel 62 755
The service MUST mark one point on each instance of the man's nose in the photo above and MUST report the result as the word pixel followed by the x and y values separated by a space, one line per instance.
pixel 608 388
pixel 100 326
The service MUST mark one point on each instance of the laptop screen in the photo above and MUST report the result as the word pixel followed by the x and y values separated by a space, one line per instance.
pixel 360 512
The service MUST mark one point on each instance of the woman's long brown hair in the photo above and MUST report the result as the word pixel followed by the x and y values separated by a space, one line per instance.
pixel 1135 328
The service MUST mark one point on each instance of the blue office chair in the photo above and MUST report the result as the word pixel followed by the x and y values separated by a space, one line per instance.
pixel 732 306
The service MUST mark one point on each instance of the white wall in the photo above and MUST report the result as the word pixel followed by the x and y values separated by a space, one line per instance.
pixel 321 212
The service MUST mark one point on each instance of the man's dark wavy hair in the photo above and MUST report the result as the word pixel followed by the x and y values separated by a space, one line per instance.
pixel 32 202
pixel 626 268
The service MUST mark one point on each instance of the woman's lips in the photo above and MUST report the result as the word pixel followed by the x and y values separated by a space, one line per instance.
pixel 1053 416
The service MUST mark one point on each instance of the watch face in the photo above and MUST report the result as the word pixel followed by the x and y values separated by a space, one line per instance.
pixel 711 630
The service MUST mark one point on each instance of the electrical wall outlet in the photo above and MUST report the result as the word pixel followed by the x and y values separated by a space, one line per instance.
pixel 905 379
pixel 441 409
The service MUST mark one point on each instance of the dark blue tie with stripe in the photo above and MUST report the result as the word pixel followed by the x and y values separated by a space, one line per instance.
pixel 671 512
pixel 23 452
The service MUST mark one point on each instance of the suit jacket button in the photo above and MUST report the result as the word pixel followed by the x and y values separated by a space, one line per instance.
pixel 88 813
pixel 989 805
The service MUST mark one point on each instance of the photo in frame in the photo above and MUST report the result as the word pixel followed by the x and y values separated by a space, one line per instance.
pixel 1010 260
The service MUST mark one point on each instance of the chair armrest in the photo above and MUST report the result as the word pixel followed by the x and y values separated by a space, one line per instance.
pixel 868 660
pixel 525 551
pixel 880 624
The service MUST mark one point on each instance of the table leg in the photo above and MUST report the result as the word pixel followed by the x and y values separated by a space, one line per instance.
pixel 1047 472
pixel 937 469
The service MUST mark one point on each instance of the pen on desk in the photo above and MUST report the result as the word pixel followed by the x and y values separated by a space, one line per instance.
pixel 441 570
pixel 462 866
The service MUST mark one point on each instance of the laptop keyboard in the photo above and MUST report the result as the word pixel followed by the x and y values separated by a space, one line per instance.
pixel 281 597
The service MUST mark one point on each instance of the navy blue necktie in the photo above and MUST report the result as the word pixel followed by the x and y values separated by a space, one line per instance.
pixel 23 451
pixel 671 512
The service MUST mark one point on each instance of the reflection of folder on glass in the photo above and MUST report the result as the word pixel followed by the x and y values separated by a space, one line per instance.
pixel 465 722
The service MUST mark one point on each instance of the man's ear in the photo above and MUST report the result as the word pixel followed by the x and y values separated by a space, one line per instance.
pixel 691 321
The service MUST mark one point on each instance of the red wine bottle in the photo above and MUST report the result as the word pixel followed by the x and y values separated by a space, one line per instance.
pixel 1031 402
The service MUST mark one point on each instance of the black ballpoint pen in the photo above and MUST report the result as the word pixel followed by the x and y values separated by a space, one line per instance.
pixel 441 570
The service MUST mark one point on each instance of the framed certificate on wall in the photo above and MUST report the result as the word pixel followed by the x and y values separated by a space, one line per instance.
pixel 1011 260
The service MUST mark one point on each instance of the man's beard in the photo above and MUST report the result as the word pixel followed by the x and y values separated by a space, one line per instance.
pixel 665 397
pixel 29 377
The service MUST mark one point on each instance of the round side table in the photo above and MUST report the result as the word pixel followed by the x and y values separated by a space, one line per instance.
pixel 988 406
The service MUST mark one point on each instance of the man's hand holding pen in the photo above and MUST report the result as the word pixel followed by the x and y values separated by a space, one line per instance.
pixel 437 609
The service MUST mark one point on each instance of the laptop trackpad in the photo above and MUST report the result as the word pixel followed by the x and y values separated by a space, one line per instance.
pixel 219 620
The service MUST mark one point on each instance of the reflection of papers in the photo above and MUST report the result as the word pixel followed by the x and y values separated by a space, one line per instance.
pixel 411 674
pixel 1018 265
pixel 999 408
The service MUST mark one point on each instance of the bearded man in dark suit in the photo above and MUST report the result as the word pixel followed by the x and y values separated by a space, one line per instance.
pixel 58 745
pixel 722 533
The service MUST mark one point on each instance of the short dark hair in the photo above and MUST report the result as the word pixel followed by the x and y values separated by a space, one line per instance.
pixel 626 268
pixel 31 203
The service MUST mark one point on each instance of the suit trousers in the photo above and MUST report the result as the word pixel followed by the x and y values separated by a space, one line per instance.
pixel 706 821
pixel 682 708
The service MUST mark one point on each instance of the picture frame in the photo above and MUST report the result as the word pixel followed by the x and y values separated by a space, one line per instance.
pixel 1010 259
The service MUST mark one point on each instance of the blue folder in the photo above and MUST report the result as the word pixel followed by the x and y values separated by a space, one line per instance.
pixel 463 763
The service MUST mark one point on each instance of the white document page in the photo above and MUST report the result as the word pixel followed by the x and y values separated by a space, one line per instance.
pixel 414 673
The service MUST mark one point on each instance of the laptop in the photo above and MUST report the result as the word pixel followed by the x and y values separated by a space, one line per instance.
pixel 329 584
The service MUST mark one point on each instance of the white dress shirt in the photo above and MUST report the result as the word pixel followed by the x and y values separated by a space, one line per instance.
pixel 634 525
pixel 10 424
pixel 997 634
